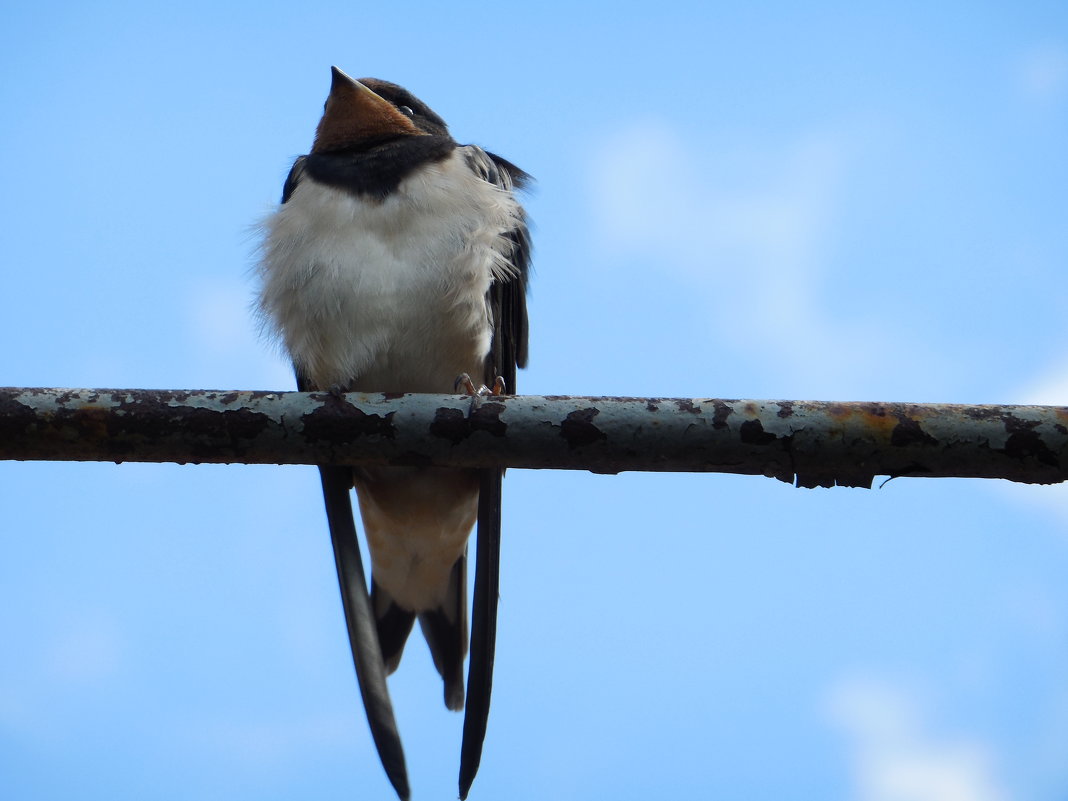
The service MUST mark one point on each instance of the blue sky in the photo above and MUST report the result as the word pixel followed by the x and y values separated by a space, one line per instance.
pixel 827 201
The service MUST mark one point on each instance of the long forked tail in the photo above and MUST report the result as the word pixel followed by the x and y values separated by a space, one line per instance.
pixel 359 618
pixel 483 625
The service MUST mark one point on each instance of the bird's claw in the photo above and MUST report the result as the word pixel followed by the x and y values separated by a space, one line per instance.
pixel 463 381
pixel 500 386
pixel 478 393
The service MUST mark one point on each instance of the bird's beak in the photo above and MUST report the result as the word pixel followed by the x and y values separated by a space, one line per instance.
pixel 341 82
pixel 355 115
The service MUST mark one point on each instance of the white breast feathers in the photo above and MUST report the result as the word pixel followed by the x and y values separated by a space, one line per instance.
pixel 387 295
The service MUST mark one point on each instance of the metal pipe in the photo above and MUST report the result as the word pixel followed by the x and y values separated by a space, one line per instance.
pixel 810 443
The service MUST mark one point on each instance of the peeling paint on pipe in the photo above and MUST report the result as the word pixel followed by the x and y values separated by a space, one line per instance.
pixel 809 443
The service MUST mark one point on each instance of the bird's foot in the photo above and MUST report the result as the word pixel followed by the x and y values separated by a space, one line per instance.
pixel 463 381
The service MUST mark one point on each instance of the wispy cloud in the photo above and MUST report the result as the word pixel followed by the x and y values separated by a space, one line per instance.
pixel 1042 73
pixel 1049 387
pixel 225 333
pixel 896 757
pixel 751 227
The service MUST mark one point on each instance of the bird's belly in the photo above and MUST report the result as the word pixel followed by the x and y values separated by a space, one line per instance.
pixel 380 299
pixel 405 332
pixel 417 522
pixel 422 347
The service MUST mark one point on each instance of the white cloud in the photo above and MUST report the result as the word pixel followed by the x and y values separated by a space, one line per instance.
pixel 750 225
pixel 1042 73
pixel 1050 387
pixel 220 316
pixel 896 757
pixel 656 192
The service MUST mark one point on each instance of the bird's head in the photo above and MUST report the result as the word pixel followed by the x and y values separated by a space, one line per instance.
pixel 362 113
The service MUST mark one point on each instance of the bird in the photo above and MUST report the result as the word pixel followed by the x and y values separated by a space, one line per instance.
pixel 398 261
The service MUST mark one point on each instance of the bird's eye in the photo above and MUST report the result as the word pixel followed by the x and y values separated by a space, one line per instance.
pixel 406 111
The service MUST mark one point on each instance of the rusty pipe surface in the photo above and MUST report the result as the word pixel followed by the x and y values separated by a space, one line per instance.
pixel 810 443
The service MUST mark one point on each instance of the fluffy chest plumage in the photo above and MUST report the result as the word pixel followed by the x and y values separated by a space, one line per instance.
pixel 387 295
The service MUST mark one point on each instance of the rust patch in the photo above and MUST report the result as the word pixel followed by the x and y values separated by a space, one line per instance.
pixel 450 424
pixel 91 422
pixel 786 409
pixel 752 432
pixel 579 430
pixel 337 421
pixel 456 426
pixel 686 405
pixel 720 412
pixel 16 418
pixel 982 413
pixel 169 423
pixel 839 411
pixel 1025 443
pixel 487 417
pixel 881 422
pixel 908 433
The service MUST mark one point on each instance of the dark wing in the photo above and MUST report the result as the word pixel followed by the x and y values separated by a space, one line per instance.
pixel 507 299
pixel 296 172
pixel 359 617
pixel 507 304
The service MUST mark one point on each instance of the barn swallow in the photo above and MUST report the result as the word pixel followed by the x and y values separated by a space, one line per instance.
pixel 397 262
